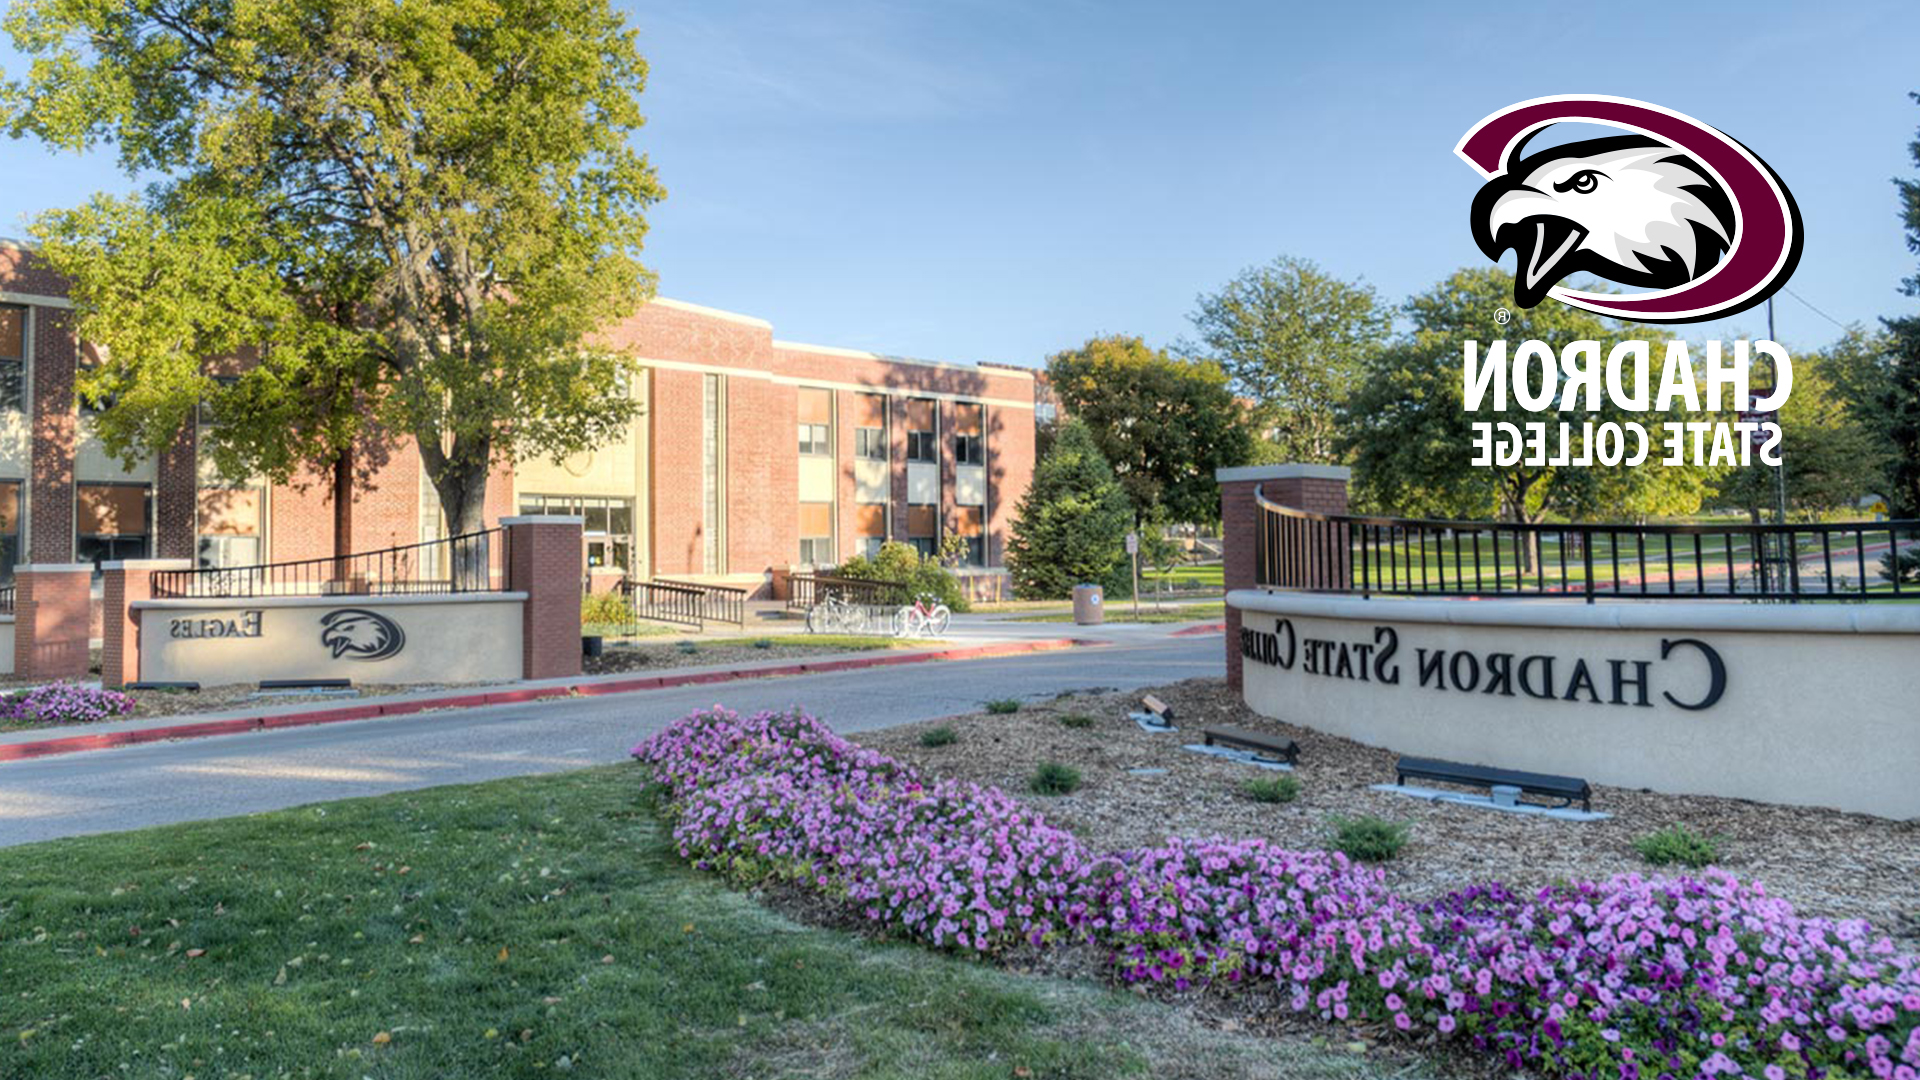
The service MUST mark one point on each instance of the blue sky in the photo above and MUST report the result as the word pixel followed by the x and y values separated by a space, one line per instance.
pixel 986 180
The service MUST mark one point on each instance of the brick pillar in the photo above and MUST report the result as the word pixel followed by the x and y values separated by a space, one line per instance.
pixel 52 609
pixel 544 560
pixel 50 494
pixel 1319 488
pixel 126 583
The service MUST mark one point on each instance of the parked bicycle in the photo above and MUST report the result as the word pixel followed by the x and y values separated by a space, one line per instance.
pixel 925 617
pixel 834 615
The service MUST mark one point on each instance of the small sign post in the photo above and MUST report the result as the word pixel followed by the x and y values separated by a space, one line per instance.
pixel 1133 553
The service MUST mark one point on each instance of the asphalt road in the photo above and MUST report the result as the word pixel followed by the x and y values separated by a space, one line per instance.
pixel 198 779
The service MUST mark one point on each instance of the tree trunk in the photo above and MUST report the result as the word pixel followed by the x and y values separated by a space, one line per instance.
pixel 460 480
pixel 342 513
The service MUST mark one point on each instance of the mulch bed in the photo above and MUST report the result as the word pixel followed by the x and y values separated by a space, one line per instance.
pixel 1825 862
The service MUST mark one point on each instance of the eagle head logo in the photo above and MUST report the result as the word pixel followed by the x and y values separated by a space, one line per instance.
pixel 359 634
pixel 1670 205
pixel 1630 209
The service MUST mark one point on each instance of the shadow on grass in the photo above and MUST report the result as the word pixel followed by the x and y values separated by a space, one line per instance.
pixel 530 927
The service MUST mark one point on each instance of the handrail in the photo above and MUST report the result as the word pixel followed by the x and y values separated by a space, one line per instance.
pixel 1320 552
pixel 471 562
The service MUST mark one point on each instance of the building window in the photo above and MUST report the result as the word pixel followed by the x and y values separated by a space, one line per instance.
pixel 921 445
pixel 870 528
pixel 225 383
pixel 90 404
pixel 870 443
pixel 816 534
pixel 229 527
pixel 606 525
pixel 870 427
pixel 816 421
pixel 967 524
pixel 13 357
pixel 713 473
pixel 111 522
pixel 969 447
pixel 923 529
pixel 9 527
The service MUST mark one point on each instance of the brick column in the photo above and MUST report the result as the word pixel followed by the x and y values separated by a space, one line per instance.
pixel 52 609
pixel 1319 488
pixel 176 496
pixel 544 562
pixel 126 583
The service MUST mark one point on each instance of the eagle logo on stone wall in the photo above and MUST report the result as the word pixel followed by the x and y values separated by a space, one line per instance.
pixel 359 634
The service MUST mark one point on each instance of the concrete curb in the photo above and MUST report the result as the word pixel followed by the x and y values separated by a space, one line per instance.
pixel 70 744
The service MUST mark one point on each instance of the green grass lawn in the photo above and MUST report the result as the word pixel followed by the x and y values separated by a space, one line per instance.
pixel 1208 575
pixel 1121 611
pixel 533 927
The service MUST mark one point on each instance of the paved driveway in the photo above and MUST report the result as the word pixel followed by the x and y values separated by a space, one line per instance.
pixel 108 790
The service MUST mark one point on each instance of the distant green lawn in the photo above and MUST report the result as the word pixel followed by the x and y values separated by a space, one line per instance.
pixel 1121 611
pixel 1208 575
pixel 523 928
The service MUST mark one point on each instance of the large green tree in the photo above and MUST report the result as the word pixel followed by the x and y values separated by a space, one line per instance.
pixel 1070 527
pixel 1164 423
pixel 1294 340
pixel 1832 452
pixel 1898 404
pixel 417 210
pixel 1409 433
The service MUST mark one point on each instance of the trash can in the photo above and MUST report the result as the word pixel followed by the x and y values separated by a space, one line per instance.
pixel 1087 605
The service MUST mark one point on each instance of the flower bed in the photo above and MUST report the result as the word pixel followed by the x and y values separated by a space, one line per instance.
pixel 1627 977
pixel 63 703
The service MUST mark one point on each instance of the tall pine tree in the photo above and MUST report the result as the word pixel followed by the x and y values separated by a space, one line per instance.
pixel 1071 526
pixel 1900 398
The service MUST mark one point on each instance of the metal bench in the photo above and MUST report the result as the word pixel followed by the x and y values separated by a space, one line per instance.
pixel 1564 788
pixel 1268 746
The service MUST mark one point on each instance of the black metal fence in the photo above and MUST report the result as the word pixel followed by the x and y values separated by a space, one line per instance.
pixel 806 590
pixel 1341 553
pixel 474 562
pixel 687 603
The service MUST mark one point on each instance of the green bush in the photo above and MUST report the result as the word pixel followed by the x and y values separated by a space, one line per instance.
pixel 1003 706
pixel 1903 568
pixel 688 647
pixel 1271 789
pixel 1678 844
pixel 1053 778
pixel 1070 527
pixel 604 609
pixel 763 643
pixel 1076 720
pixel 1368 838
pixel 939 736
pixel 903 563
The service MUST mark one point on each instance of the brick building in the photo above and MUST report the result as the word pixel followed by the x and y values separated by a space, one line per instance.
pixel 749 456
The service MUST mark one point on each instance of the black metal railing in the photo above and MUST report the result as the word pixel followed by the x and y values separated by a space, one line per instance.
pixel 1342 553
pixel 806 590
pixel 474 562
pixel 688 600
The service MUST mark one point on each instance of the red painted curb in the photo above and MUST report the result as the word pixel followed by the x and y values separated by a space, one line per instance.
pixel 1208 628
pixel 371 710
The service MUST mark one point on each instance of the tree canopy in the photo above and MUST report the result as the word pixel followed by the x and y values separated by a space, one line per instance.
pixel 1898 403
pixel 410 215
pixel 1163 423
pixel 1409 432
pixel 1294 340
pixel 1070 527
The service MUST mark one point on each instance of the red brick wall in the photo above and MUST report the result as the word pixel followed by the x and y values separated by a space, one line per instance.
pixel 52 612
pixel 674 428
pixel 1240 523
pixel 1009 472
pixel 763 476
pixel 545 563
